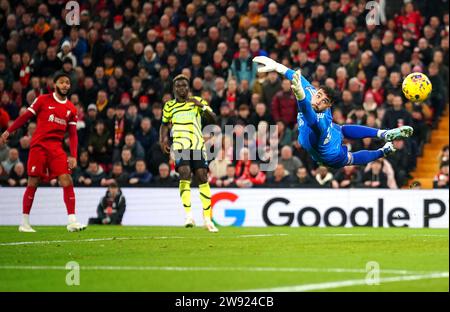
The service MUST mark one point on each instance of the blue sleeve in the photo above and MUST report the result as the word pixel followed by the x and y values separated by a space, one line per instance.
pixel 324 121
pixel 304 106
pixel 305 83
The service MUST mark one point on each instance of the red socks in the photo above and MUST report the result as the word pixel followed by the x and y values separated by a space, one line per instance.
pixel 28 198
pixel 69 199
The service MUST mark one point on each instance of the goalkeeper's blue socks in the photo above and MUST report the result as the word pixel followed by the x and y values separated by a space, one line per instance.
pixel 361 132
pixel 364 157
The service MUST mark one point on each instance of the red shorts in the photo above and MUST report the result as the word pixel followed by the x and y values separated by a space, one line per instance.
pixel 47 163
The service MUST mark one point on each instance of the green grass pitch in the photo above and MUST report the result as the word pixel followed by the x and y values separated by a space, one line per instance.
pixel 235 259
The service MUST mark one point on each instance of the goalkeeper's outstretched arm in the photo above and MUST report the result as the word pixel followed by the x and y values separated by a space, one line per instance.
pixel 299 84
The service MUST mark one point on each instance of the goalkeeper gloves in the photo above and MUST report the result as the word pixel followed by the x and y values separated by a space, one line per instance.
pixel 266 64
pixel 297 87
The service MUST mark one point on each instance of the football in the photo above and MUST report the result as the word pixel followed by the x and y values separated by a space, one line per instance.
pixel 416 87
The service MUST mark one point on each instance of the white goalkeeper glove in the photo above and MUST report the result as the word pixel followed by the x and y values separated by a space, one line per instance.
pixel 266 64
pixel 297 87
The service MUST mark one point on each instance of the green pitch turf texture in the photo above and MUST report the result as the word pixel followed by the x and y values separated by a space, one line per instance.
pixel 235 259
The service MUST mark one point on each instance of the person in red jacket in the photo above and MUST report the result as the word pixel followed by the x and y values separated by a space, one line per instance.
pixel 284 105
pixel 253 177
pixel 55 116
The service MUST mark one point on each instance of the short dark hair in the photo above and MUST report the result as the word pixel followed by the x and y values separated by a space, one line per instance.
pixel 60 74
pixel 331 94
pixel 113 185
pixel 181 77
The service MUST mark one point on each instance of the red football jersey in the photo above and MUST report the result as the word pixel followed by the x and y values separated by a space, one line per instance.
pixel 53 119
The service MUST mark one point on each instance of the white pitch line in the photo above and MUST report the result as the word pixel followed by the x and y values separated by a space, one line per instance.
pixel 126 238
pixel 241 269
pixel 348 283
pixel 431 235
pixel 338 234
pixel 87 240
pixel 261 235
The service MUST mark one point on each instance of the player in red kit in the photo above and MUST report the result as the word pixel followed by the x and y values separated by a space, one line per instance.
pixel 55 115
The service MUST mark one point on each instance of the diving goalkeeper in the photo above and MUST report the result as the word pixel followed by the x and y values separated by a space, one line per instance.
pixel 318 135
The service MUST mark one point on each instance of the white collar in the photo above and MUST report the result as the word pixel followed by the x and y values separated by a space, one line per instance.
pixel 58 100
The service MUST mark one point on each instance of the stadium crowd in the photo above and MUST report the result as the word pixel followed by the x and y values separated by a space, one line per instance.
pixel 124 54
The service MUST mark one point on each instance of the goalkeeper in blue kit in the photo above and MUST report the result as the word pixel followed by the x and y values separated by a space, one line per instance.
pixel 318 135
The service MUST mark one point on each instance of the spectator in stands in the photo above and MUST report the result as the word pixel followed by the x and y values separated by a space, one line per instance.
pixel 290 162
pixel 323 177
pixel 164 178
pixel 100 143
pixel 135 147
pixel 443 155
pixel 92 176
pixel 242 67
pixel 284 133
pixel 146 135
pixel 397 116
pixel 244 162
pixel 111 208
pixel 116 175
pixel 280 178
pixel 347 177
pixel 441 179
pixel 254 177
pixel 83 164
pixel 270 87
pixel 303 179
pixel 11 161
pixel 387 170
pixel 400 161
pixel 284 105
pixel 4 151
pixel 375 177
pixel 140 176
pixel 229 180
pixel 218 166
pixel 127 160
pixel 18 176
pixel 120 127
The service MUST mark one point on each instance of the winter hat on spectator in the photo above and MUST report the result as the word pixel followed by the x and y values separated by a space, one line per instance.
pixel 118 19
pixel 143 99
pixel 66 43
pixel 92 107
pixel 398 41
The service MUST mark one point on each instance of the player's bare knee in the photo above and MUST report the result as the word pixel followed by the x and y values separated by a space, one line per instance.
pixel 202 176
pixel 185 172
pixel 65 180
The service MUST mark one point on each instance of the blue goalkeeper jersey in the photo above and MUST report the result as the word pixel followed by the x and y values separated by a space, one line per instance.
pixel 317 133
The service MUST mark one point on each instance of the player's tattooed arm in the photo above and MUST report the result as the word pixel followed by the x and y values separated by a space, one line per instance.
pixel 164 138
